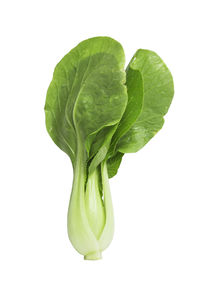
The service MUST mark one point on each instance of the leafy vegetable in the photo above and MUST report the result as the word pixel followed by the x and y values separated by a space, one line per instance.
pixel 95 112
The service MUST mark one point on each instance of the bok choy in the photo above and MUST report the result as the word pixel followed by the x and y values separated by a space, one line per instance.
pixel 96 111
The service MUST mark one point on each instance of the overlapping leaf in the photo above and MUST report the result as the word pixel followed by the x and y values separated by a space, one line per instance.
pixel 158 90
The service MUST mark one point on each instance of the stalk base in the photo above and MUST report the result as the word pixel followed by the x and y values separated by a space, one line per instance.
pixel 93 256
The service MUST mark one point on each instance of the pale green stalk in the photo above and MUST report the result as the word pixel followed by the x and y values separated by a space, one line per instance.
pixel 90 217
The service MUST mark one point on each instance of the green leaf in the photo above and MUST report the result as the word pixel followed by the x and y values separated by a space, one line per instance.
pixel 87 93
pixel 158 94
pixel 58 127
pixel 134 85
pixel 113 164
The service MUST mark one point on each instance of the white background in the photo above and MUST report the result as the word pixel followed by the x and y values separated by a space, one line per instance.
pixel 155 253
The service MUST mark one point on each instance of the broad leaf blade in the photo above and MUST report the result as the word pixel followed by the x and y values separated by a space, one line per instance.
pixel 101 100
pixel 87 93
pixel 158 94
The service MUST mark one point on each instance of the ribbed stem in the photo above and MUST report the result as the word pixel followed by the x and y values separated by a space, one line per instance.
pixel 108 231
pixel 94 204
pixel 79 231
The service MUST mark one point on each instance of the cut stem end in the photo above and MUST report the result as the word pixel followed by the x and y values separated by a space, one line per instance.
pixel 93 256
